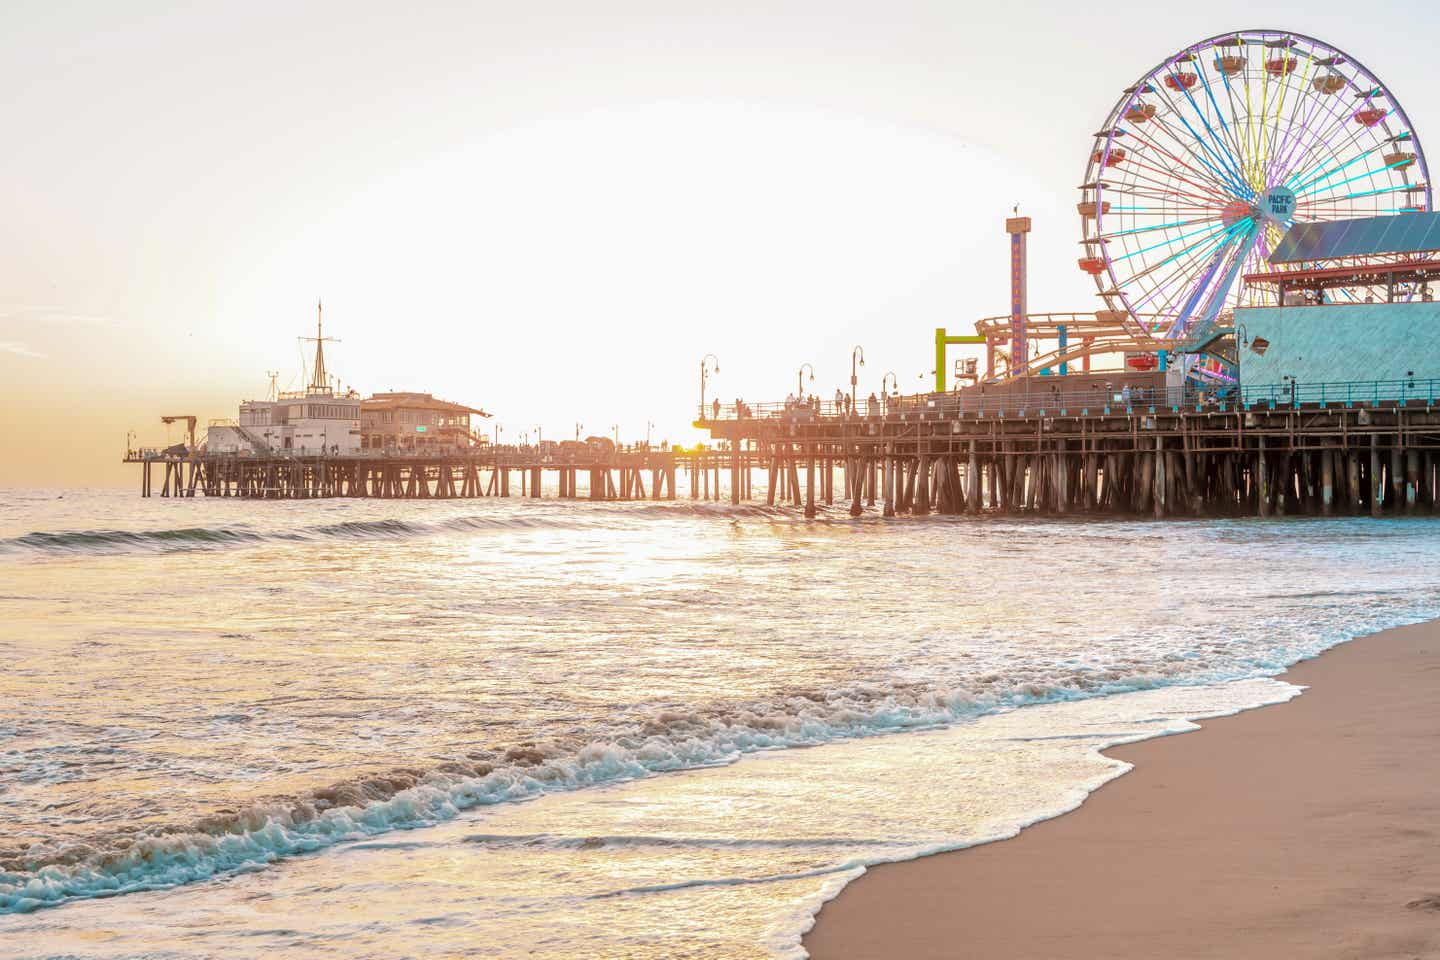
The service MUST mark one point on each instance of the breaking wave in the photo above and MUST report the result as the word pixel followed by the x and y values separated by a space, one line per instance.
pixel 106 541
pixel 229 841
pixel 92 542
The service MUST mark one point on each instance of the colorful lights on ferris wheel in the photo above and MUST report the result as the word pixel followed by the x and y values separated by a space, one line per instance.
pixel 1208 159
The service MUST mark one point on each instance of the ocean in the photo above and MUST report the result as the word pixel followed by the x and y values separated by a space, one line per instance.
pixel 549 729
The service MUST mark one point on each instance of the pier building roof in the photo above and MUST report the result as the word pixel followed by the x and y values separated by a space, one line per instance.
pixel 1394 258
pixel 417 401
pixel 1406 233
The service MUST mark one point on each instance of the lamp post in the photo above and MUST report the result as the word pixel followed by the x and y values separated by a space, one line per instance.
pixel 578 427
pixel 800 380
pixel 498 430
pixel 649 425
pixel 894 382
pixel 615 429
pixel 703 374
pixel 856 354
pixel 539 436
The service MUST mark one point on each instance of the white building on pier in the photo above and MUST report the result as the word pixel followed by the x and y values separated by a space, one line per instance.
pixel 311 422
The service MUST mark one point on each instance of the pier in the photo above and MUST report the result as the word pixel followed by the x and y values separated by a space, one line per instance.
pixel 1355 448
pixel 625 474
pixel 1322 449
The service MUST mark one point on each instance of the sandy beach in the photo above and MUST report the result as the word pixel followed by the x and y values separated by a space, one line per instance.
pixel 1301 830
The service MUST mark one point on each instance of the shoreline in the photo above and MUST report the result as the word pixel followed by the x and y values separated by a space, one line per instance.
pixel 1300 830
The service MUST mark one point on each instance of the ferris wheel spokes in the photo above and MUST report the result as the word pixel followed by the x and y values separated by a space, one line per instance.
pixel 1174 288
pixel 1231 176
pixel 1210 157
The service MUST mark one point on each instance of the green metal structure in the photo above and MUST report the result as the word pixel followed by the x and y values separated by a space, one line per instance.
pixel 941 342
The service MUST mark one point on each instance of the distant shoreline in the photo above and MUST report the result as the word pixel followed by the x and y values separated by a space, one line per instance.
pixel 1303 830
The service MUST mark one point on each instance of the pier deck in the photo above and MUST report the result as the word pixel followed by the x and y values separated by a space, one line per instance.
pixel 619 475
pixel 1353 448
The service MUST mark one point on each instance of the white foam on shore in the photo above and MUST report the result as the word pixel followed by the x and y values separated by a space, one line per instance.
pixel 649 869
pixel 787 935
pixel 265 832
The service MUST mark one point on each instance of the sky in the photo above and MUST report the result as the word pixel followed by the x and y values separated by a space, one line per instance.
pixel 550 210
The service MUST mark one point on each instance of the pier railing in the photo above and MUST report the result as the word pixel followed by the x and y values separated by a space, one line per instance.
pixel 938 405
pixel 1091 402
pixel 1347 393
pixel 512 455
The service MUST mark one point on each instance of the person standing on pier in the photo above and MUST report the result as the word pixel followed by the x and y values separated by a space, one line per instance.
pixel 839 401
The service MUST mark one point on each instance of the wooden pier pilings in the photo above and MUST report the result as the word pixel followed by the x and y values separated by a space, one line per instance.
pixel 1373 459
pixel 1159 461
pixel 623 476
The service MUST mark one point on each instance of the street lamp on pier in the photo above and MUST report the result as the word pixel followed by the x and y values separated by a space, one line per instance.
pixel 885 398
pixel 704 373
pixel 800 380
pixel 649 425
pixel 857 354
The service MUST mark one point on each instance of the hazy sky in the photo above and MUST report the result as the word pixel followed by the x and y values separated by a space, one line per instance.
pixel 550 210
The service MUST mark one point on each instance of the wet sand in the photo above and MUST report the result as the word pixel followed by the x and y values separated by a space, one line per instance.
pixel 1308 829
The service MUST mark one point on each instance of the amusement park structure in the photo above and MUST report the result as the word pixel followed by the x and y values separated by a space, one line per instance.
pixel 1256 214
pixel 1199 170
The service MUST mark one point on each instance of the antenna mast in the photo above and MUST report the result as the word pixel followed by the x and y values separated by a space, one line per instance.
pixel 319 382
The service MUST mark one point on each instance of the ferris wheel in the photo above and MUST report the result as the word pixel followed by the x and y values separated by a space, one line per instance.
pixel 1207 160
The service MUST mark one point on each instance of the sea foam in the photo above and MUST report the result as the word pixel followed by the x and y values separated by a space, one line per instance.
pixel 671 740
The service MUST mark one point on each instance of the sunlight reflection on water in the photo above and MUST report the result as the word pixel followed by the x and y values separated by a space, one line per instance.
pixel 155 680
